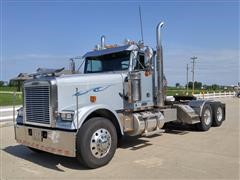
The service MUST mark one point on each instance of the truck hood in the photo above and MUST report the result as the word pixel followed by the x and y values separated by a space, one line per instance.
pixel 106 87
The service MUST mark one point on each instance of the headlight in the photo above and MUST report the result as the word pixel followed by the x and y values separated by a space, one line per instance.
pixel 20 112
pixel 67 115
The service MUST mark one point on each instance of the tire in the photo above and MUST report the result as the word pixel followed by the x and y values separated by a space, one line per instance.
pixel 96 142
pixel 218 115
pixel 206 118
pixel 35 150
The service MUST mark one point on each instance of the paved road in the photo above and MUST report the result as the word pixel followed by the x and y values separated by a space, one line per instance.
pixel 181 153
pixel 6 113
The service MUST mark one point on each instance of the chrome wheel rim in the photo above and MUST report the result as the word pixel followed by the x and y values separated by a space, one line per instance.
pixel 100 143
pixel 207 117
pixel 219 114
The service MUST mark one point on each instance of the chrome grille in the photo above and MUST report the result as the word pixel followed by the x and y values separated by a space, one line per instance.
pixel 37 100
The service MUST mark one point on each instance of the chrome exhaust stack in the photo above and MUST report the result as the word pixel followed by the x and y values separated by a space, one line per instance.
pixel 160 88
pixel 103 42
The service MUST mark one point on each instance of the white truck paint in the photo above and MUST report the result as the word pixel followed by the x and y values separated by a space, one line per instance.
pixel 120 91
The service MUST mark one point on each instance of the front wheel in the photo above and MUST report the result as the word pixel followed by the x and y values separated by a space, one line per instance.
pixel 96 142
pixel 205 119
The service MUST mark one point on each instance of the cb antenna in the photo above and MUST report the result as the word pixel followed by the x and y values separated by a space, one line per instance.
pixel 140 16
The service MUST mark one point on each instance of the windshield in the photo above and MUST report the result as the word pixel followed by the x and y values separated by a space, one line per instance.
pixel 109 62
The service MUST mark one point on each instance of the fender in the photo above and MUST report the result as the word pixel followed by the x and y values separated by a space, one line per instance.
pixel 85 111
pixel 197 105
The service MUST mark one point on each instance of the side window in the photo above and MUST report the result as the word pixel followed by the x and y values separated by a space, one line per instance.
pixel 94 66
pixel 140 62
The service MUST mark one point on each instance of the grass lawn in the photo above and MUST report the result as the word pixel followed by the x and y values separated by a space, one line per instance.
pixel 7 99
pixel 7 88
pixel 174 91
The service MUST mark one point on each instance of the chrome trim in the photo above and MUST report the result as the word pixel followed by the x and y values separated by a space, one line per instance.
pixel 160 93
pixel 101 142
pixel 53 101
pixel 207 117
pixel 102 42
pixel 53 104
pixel 133 59
pixel 219 114
pixel 201 107
pixel 57 142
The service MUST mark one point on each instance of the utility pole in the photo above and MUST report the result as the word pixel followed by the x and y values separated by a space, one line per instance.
pixel 187 78
pixel 193 69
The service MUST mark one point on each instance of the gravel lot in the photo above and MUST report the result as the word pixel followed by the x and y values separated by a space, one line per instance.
pixel 180 153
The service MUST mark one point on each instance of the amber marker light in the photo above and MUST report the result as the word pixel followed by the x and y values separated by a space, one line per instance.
pixel 147 73
pixel 93 99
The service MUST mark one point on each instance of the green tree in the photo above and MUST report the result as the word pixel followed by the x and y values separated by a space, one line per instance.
pixel 215 87
pixel 197 85
pixel 190 84
pixel 1 83
pixel 12 83
pixel 177 85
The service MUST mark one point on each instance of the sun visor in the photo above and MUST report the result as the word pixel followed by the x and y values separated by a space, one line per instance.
pixel 110 51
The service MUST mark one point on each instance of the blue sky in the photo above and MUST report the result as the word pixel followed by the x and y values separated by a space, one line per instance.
pixel 48 33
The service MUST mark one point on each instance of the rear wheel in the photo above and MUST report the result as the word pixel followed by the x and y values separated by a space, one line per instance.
pixel 218 115
pixel 96 142
pixel 205 119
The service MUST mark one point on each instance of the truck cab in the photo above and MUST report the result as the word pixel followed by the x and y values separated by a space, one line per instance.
pixel 119 91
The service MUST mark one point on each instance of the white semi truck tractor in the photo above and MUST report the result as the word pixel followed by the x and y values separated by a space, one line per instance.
pixel 119 92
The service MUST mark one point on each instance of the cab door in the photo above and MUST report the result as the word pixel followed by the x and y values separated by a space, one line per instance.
pixel 146 81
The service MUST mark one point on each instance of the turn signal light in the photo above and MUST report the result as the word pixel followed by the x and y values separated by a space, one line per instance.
pixel 147 73
pixel 93 99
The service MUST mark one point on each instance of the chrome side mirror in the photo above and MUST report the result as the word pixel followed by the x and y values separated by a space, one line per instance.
pixel 148 53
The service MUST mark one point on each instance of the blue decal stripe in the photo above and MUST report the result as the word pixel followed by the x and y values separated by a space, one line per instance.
pixel 96 89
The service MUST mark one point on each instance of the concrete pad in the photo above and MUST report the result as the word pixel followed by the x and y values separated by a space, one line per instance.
pixel 181 153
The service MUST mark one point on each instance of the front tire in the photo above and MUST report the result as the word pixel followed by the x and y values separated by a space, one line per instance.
pixel 206 118
pixel 96 142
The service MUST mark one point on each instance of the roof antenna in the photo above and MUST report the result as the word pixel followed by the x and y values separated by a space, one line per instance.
pixel 140 16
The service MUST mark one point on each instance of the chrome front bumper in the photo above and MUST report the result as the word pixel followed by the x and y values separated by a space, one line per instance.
pixel 52 141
